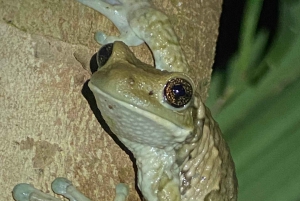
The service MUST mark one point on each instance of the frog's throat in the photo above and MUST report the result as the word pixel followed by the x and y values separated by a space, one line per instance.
pixel 136 124
pixel 150 138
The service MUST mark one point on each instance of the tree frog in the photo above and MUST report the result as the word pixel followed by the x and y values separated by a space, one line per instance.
pixel 156 112
pixel 158 115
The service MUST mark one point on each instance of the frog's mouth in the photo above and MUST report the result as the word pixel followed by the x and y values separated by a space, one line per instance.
pixel 137 124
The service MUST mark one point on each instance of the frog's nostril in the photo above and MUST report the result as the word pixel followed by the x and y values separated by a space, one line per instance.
pixel 103 54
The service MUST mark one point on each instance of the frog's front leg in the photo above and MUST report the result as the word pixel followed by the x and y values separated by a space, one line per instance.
pixel 60 186
pixel 117 12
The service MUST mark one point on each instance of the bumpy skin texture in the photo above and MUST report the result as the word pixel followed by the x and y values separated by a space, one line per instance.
pixel 180 152
pixel 208 171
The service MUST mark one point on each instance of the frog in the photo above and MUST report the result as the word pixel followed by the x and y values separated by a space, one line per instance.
pixel 155 111
pixel 160 118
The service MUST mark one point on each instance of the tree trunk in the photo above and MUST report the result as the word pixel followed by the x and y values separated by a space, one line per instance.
pixel 47 127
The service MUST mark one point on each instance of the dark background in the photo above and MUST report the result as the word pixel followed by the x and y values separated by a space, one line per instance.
pixel 230 24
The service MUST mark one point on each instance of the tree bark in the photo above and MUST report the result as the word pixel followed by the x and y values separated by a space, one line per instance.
pixel 47 127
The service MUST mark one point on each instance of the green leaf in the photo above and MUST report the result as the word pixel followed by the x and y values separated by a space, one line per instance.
pixel 261 120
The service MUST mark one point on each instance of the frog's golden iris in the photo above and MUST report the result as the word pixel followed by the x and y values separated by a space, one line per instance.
pixel 178 92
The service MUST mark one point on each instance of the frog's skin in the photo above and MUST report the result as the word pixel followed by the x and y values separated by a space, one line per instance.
pixel 179 149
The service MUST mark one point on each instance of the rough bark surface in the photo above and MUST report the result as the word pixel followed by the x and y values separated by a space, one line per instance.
pixel 47 127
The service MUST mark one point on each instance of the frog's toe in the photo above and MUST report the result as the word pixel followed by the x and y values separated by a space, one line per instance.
pixel 21 192
pixel 63 186
pixel 60 185
pixel 26 192
pixel 101 37
pixel 122 192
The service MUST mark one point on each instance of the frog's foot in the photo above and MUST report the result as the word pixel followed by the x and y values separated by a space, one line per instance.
pixel 61 186
pixel 116 11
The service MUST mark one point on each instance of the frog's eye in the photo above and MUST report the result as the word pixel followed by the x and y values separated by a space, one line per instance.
pixel 103 54
pixel 178 92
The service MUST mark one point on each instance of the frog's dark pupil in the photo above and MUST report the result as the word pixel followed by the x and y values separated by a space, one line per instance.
pixel 178 90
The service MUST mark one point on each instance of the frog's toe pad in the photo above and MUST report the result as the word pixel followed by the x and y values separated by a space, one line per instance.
pixel 26 192
pixel 60 185
pixel 100 37
pixel 22 191
pixel 122 192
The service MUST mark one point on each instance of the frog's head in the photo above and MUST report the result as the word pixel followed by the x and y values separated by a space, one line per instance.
pixel 140 103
